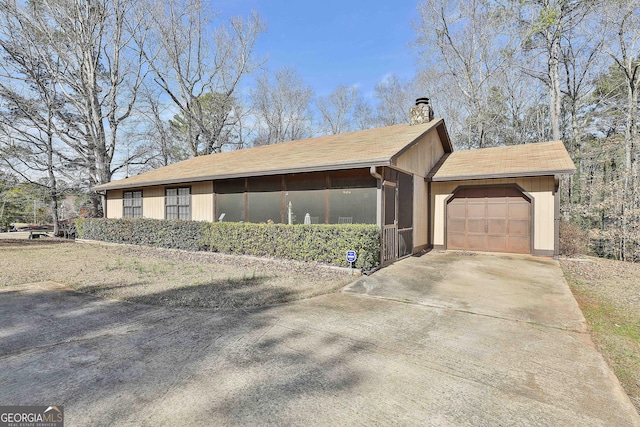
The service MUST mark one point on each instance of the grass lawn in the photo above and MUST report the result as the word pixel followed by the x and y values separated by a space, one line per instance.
pixel 165 277
pixel 608 293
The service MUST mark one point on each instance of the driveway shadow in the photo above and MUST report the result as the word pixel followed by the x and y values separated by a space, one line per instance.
pixel 110 362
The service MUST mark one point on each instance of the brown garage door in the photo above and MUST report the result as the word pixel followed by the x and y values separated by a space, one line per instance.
pixel 492 219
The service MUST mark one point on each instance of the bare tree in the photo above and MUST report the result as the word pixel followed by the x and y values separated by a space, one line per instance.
pixel 160 146
pixel 363 116
pixel 394 96
pixel 191 63
pixel 464 47
pixel 623 46
pixel 95 69
pixel 581 61
pixel 545 26
pixel 338 109
pixel 29 110
pixel 282 107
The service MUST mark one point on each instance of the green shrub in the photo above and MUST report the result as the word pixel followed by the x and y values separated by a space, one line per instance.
pixel 326 244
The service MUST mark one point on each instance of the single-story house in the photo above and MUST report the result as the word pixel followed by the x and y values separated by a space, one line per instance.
pixel 405 178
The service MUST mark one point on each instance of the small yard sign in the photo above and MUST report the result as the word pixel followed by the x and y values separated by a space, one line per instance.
pixel 351 256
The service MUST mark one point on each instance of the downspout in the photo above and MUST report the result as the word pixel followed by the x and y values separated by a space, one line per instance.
pixel 374 173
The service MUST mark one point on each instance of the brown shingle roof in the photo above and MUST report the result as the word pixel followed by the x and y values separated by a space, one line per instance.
pixel 372 147
pixel 544 158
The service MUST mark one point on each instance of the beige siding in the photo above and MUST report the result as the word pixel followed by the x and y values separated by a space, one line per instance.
pixel 153 202
pixel 114 204
pixel 420 158
pixel 420 208
pixel 202 201
pixel 539 188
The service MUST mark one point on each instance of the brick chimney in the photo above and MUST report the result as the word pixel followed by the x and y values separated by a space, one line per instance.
pixel 421 112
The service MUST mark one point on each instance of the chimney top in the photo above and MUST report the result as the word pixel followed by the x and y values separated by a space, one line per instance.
pixel 421 112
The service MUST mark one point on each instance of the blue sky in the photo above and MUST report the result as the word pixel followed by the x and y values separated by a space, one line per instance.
pixel 333 42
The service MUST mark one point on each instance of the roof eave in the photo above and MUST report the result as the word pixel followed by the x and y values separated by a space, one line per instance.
pixel 524 174
pixel 270 172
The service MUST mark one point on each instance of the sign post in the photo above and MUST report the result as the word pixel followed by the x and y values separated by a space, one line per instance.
pixel 351 258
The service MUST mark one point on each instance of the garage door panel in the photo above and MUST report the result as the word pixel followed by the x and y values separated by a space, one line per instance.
pixel 519 210
pixel 494 219
pixel 456 240
pixel 497 226
pixel 497 243
pixel 520 245
pixel 476 225
pixel 476 242
pixel 457 209
pixel 457 225
pixel 476 210
pixel 497 210
pixel 519 227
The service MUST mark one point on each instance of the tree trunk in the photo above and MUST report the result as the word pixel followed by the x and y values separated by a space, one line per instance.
pixel 555 96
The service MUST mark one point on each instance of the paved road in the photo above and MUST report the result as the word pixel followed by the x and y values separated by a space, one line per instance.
pixel 440 357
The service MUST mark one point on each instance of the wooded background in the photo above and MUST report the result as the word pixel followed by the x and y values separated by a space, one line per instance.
pixel 101 89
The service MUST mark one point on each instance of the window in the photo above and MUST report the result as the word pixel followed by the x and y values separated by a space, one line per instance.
pixel 178 203
pixel 132 204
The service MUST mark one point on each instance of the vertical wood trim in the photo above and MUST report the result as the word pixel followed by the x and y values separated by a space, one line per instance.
pixel 327 185
pixel 246 199
pixel 283 190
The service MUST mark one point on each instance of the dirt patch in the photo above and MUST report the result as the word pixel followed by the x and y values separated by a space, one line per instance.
pixel 608 293
pixel 165 277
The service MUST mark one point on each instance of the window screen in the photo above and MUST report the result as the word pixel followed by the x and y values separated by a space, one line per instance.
pixel 230 199
pixel 352 206
pixel 265 199
pixel 405 200
pixel 305 194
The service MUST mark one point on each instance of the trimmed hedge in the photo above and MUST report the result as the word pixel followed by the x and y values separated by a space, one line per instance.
pixel 317 242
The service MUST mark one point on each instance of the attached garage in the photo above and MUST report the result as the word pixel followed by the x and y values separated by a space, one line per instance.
pixel 490 219
pixel 501 199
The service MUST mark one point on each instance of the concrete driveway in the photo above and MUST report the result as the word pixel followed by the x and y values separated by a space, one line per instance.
pixel 512 287
pixel 432 353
